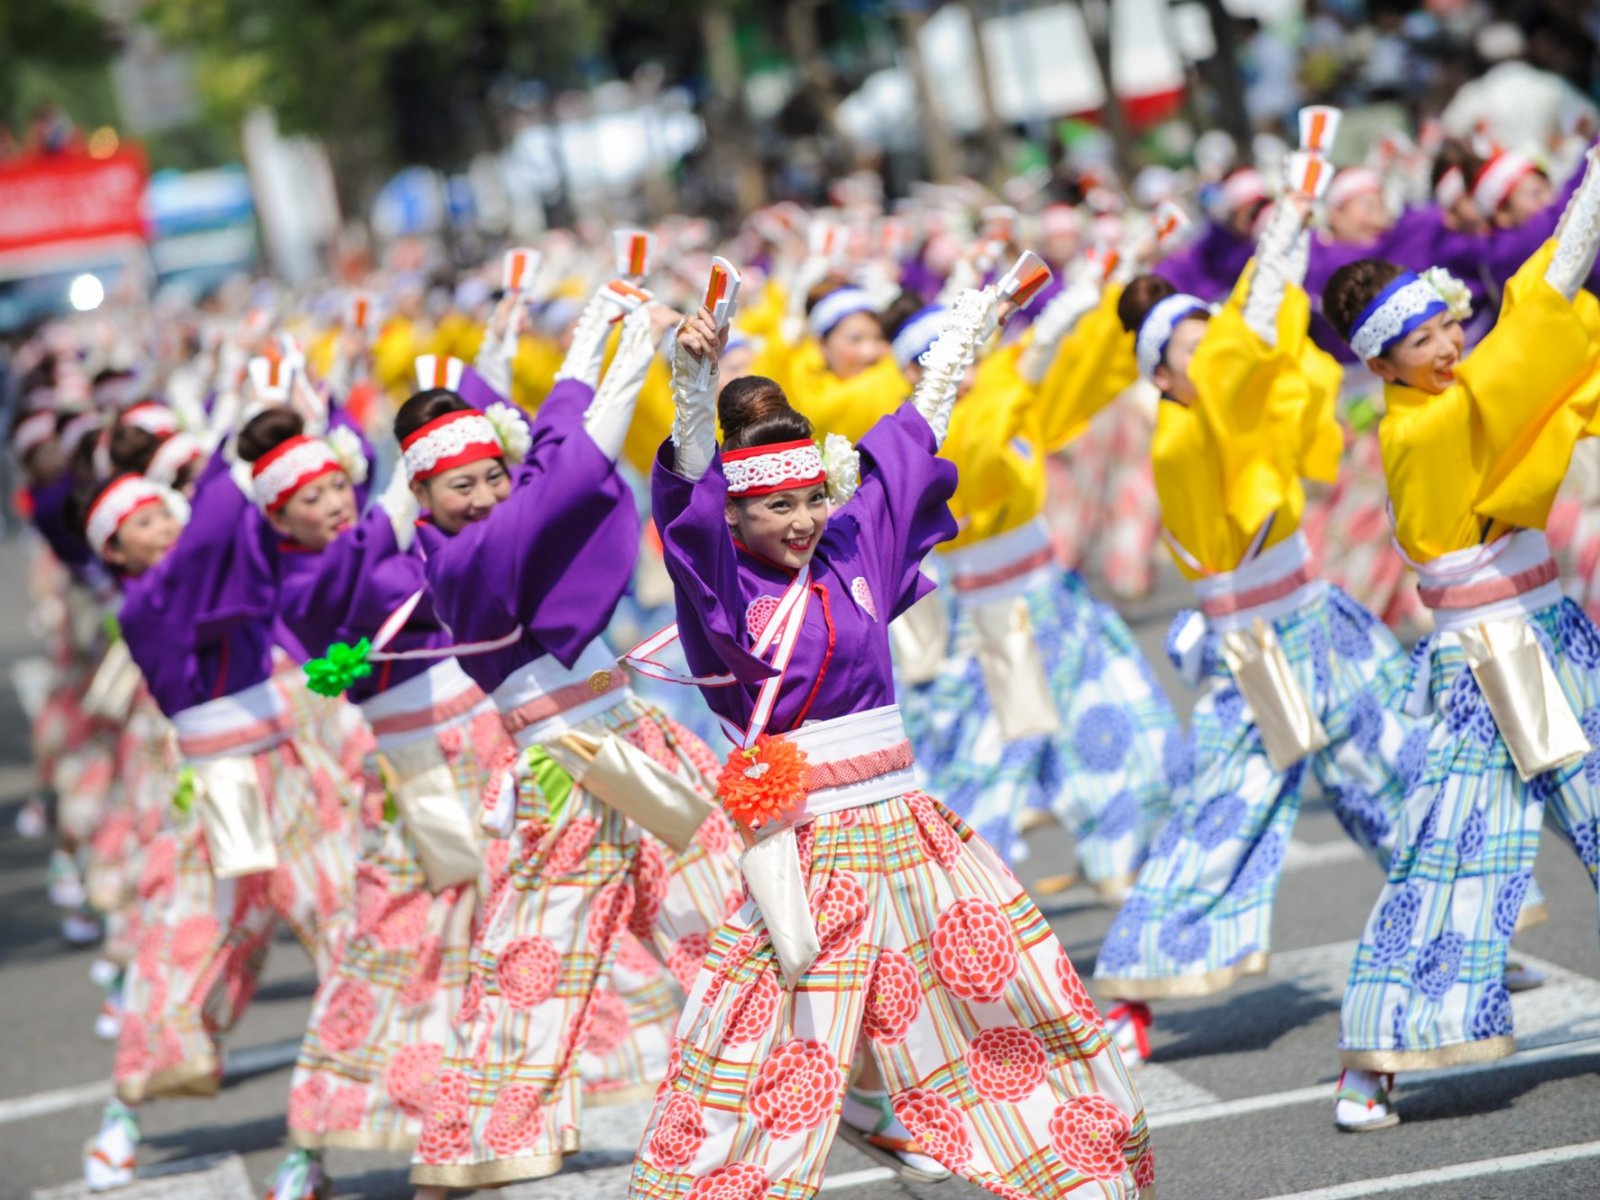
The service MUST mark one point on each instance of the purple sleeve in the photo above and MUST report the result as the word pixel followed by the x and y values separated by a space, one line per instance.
pixel 349 589
pixel 555 558
pixel 1209 266
pixel 901 511
pixel 50 519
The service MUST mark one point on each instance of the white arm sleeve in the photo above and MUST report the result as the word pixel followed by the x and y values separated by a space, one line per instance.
pixel 587 354
pixel 694 420
pixel 1578 235
pixel 972 320
pixel 611 411
pixel 1275 263
pixel 1059 318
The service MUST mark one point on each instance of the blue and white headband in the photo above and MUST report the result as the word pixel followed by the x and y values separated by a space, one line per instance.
pixel 1156 329
pixel 835 307
pixel 918 334
pixel 1394 312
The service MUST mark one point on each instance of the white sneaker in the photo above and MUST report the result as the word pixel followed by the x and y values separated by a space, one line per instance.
pixel 104 973
pixel 109 1156
pixel 1130 1022
pixel 869 1124
pixel 1361 1102
pixel 79 929
pixel 1520 977
pixel 33 820
pixel 108 1025
pixel 300 1176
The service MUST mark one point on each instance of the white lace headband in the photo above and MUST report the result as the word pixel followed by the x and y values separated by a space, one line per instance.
pixel 835 307
pixel 912 342
pixel 1394 312
pixel 1497 178
pixel 463 437
pixel 177 452
pixel 1156 329
pixel 285 469
pixel 762 470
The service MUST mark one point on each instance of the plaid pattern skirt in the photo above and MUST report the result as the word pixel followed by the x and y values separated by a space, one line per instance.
pixel 381 1018
pixel 543 990
pixel 1426 986
pixel 1106 773
pixel 1200 914
pixel 203 941
pixel 936 965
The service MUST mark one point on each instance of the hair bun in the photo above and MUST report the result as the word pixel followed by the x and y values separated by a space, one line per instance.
pixel 1139 297
pixel 754 411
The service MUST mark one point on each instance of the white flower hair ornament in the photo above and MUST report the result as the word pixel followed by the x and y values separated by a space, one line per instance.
pixel 842 461
pixel 512 431
pixel 1456 295
pixel 346 448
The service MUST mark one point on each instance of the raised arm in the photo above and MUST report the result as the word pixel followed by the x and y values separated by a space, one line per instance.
pixel 1577 234
pixel 1282 255
pixel 973 318
pixel 607 418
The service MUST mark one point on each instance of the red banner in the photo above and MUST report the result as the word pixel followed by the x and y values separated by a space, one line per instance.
pixel 52 199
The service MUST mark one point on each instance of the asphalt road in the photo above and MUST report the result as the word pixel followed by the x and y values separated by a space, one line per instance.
pixel 1239 1088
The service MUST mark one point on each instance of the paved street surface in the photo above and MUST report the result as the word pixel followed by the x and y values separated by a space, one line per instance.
pixel 1239 1091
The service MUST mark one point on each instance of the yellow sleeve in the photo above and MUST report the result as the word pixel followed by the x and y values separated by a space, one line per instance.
pixel 848 406
pixel 393 356
pixel 761 319
pixel 533 371
pixel 1530 385
pixel 1322 437
pixel 1093 366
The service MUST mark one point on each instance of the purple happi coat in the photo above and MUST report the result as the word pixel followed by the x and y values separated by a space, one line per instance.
pixel 864 574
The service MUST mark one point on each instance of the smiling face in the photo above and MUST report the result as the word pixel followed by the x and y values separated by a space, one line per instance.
pixel 1172 375
pixel 458 497
pixel 318 511
pixel 143 539
pixel 854 344
pixel 1425 358
pixel 784 527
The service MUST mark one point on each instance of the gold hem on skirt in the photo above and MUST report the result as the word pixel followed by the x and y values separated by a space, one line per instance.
pixel 627 1095
pixel 1531 915
pixel 1172 986
pixel 198 1077
pixel 354 1139
pixel 1392 1062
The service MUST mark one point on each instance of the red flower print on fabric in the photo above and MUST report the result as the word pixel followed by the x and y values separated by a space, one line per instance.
pixel 308 1105
pixel 471 999
pixel 796 1088
pixel 685 957
pixel 941 843
pixel 1007 1064
pixel 647 736
pixel 974 950
pixel 152 947
pixel 937 1125
pixel 758 614
pixel 649 888
pixel 160 866
pixel 678 1134
pixel 572 846
pixel 633 958
pixel 527 971
pixel 736 1181
pixel 701 757
pixel 450 741
pixel 1144 1169
pixel 405 920
pixel 133 1050
pixel 609 912
pixel 715 834
pixel 488 734
pixel 515 1121
pixel 424 984
pixel 446 1131
pixel 1077 995
pixel 1089 1132
pixel 372 895
pixel 327 897
pixel 347 1108
pixel 412 1075
pixel 840 910
pixel 894 997
pixel 194 940
pixel 348 1018
pixel 607 1020
pixel 753 1010
pixel 496 856
pixel 281 890
pixel 330 804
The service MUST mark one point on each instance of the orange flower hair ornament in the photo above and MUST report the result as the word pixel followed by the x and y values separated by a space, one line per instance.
pixel 766 782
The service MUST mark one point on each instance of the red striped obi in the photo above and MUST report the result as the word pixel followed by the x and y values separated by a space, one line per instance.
pixel 246 722
pixel 999 568
pixel 1512 575
pixel 418 707
pixel 542 699
pixel 1272 584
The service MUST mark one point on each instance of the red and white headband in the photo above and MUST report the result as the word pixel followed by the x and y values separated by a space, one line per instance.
pixel 282 471
pixel 1497 177
pixel 451 441
pixel 123 497
pixel 172 456
pixel 1450 188
pixel 780 467
pixel 33 431
pixel 1350 183
pixel 155 419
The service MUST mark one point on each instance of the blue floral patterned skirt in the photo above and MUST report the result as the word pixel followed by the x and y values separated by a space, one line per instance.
pixel 1426 986
pixel 1107 773
pixel 1200 914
